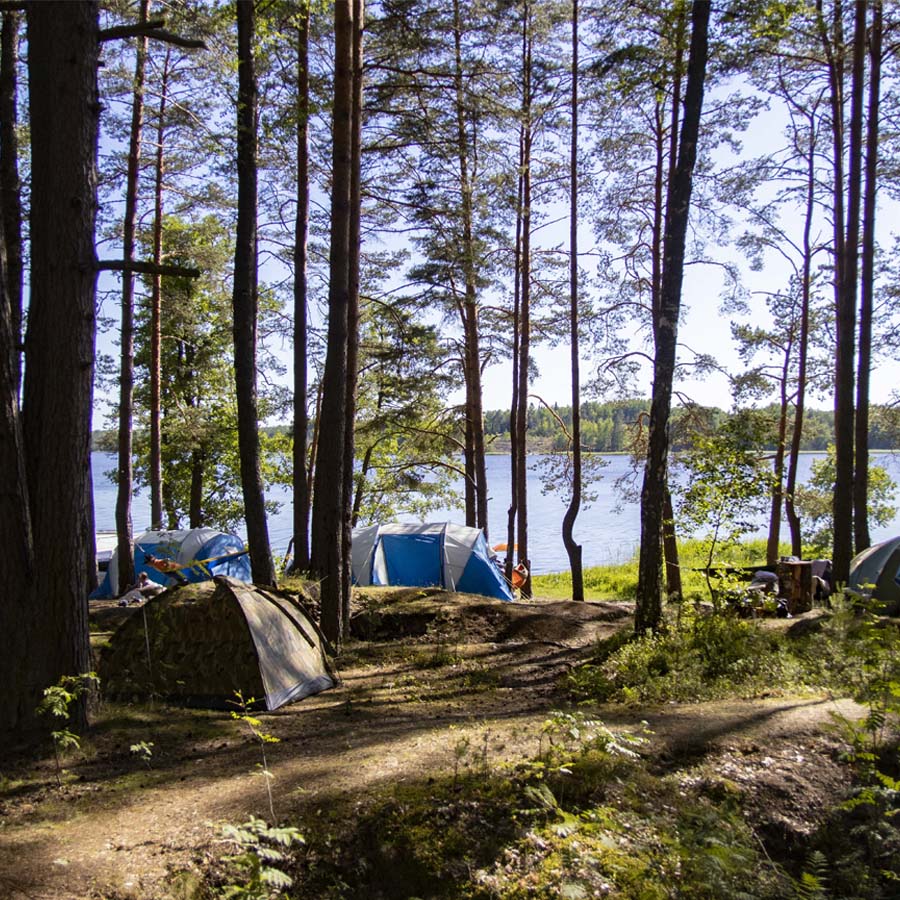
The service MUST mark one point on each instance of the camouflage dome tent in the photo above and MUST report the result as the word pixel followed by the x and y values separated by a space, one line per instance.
pixel 878 566
pixel 207 641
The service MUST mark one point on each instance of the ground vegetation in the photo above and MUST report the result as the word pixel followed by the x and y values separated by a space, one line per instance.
pixel 490 750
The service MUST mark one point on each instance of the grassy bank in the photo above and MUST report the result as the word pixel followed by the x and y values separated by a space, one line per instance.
pixel 618 581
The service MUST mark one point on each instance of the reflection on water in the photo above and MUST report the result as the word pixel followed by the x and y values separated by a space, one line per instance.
pixel 609 529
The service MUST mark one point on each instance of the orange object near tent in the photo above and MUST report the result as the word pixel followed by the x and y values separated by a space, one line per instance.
pixel 519 576
pixel 162 565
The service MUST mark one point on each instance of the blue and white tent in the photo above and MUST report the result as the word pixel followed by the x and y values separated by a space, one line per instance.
pixel 200 552
pixel 453 557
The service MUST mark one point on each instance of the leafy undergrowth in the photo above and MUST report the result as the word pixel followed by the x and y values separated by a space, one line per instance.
pixel 584 819
pixel 706 657
pixel 596 813
pixel 588 817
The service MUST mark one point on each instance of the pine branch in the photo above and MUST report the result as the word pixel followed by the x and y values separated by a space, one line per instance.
pixel 152 29
pixel 146 268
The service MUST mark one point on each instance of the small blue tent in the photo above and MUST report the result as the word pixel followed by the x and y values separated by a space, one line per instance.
pixel 200 552
pixel 453 557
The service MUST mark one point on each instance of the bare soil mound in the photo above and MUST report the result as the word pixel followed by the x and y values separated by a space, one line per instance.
pixel 391 613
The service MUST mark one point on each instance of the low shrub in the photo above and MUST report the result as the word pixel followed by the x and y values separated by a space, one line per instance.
pixel 705 656
pixel 585 818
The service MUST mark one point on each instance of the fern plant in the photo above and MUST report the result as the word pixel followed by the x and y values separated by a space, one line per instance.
pixel 813 883
pixel 262 851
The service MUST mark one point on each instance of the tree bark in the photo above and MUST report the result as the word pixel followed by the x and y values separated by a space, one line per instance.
pixel 471 351
pixel 124 485
pixel 59 368
pixel 246 303
pixel 846 243
pixel 17 559
pixel 10 184
pixel 511 513
pixel 328 500
pixel 353 307
pixel 665 175
pixel 648 614
pixel 196 516
pixel 670 548
pixel 802 351
pixel 867 287
pixel 301 327
pixel 471 486
pixel 156 474
pixel 774 536
pixel 573 549
pixel 522 555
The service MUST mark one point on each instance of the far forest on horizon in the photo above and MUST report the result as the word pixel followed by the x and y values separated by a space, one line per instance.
pixel 612 427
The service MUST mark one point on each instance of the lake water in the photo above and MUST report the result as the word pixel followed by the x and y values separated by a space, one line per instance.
pixel 609 529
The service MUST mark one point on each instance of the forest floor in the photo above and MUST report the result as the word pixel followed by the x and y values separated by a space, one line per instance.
pixel 440 673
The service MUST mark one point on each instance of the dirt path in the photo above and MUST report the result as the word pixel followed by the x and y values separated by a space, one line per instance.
pixel 119 829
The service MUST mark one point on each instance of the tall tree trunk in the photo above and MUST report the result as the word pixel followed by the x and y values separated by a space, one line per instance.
pixel 198 469
pixel 525 306
pixel 573 549
pixel 353 306
pixel 471 350
pixel 666 161
pixel 846 228
pixel 10 185
pixel 58 383
pixel 662 185
pixel 867 301
pixel 17 559
pixel 314 446
pixel 156 474
pixel 471 486
pixel 124 484
pixel 246 302
pixel 803 350
pixel 328 500
pixel 511 515
pixel 301 328
pixel 845 327
pixel 670 548
pixel 648 614
pixel 359 490
pixel 777 502
pixel 666 178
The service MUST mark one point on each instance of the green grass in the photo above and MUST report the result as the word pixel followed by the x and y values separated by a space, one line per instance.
pixel 619 581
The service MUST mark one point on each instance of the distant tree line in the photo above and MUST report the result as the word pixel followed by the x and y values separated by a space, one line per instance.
pixel 613 427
